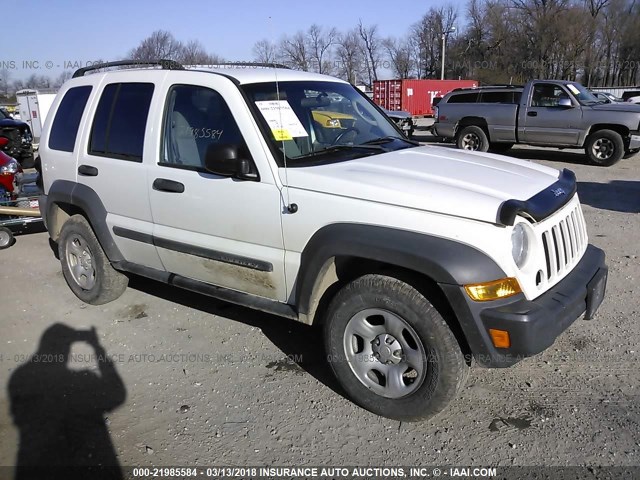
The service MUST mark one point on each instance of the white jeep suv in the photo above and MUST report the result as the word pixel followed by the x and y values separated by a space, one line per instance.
pixel 414 260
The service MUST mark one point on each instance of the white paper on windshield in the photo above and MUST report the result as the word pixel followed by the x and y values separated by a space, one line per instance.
pixel 282 120
pixel 573 89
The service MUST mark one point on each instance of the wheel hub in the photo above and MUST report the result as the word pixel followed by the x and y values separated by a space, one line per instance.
pixel 387 349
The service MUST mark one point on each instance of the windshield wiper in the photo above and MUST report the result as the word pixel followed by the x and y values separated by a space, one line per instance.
pixel 341 148
pixel 388 139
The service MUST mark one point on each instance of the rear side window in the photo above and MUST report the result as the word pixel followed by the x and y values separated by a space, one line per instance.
pixel 496 97
pixel 464 98
pixel 121 120
pixel 65 125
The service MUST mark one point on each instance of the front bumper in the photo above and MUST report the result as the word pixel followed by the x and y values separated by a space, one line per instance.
pixel 533 325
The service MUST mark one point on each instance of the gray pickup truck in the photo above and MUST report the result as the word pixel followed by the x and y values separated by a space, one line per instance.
pixel 547 113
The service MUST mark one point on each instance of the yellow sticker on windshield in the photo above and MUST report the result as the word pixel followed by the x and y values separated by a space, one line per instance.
pixel 281 134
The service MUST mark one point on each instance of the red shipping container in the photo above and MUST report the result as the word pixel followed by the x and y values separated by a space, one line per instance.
pixel 414 96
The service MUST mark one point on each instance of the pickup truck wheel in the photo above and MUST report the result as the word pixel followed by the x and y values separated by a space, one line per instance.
pixel 500 147
pixel 604 148
pixel 472 138
pixel 85 266
pixel 391 350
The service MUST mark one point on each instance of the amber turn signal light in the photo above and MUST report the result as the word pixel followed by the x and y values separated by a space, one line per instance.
pixel 484 292
pixel 500 338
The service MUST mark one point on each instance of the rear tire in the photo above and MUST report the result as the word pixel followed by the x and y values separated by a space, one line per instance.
pixel 604 148
pixel 472 138
pixel 85 266
pixel 391 350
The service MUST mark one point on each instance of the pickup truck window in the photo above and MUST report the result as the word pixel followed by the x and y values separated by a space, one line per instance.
pixel 464 98
pixel 547 95
pixel 497 97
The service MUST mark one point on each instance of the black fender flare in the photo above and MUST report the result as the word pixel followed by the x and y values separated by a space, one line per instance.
pixel 444 261
pixel 88 201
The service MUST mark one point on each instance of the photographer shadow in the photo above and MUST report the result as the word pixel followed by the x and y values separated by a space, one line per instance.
pixel 59 412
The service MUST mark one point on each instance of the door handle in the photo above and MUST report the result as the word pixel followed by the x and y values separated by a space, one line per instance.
pixel 87 171
pixel 532 114
pixel 164 185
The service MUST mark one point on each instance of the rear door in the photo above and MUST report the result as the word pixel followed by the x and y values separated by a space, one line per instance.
pixel 110 162
pixel 544 121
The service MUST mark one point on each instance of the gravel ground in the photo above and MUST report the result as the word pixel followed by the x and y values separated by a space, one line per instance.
pixel 210 383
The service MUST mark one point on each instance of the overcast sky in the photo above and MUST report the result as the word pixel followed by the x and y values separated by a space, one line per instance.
pixel 52 32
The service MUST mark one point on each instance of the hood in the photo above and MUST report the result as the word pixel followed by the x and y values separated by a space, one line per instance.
pixel 437 179
pixel 396 113
pixel 618 107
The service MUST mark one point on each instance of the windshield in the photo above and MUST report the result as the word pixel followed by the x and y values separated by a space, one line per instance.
pixel 584 96
pixel 310 122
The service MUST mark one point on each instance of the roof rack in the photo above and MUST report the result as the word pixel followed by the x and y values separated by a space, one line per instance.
pixel 165 64
pixel 502 85
pixel 248 64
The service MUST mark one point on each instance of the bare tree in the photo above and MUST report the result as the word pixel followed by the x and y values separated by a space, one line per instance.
pixel 400 55
pixel 160 45
pixel 63 77
pixel 295 52
pixel 264 51
pixel 371 47
pixel 5 78
pixel 349 59
pixel 193 53
pixel 320 43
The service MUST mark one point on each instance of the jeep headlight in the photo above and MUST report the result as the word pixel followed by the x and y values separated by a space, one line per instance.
pixel 11 168
pixel 520 244
pixel 333 123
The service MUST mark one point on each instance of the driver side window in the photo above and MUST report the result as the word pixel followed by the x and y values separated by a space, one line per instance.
pixel 195 119
pixel 547 95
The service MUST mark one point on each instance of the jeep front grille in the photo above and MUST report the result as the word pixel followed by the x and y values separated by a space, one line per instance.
pixel 564 244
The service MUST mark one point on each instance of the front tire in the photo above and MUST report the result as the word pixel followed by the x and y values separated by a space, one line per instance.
pixel 85 266
pixel 472 138
pixel 391 350
pixel 604 148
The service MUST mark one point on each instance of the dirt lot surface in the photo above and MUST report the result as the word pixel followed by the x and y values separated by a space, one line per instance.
pixel 195 381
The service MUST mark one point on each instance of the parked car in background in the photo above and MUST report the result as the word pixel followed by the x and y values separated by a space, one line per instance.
pixel 16 139
pixel 631 95
pixel 9 168
pixel 607 97
pixel 402 119
pixel 546 113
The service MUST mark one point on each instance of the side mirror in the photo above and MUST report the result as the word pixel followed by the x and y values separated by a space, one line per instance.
pixel 565 102
pixel 225 160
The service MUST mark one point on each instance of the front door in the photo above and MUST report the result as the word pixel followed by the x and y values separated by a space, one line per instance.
pixel 219 230
pixel 544 121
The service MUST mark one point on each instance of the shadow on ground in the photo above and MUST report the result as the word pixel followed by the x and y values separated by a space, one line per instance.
pixel 294 339
pixel 59 412
pixel 617 195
